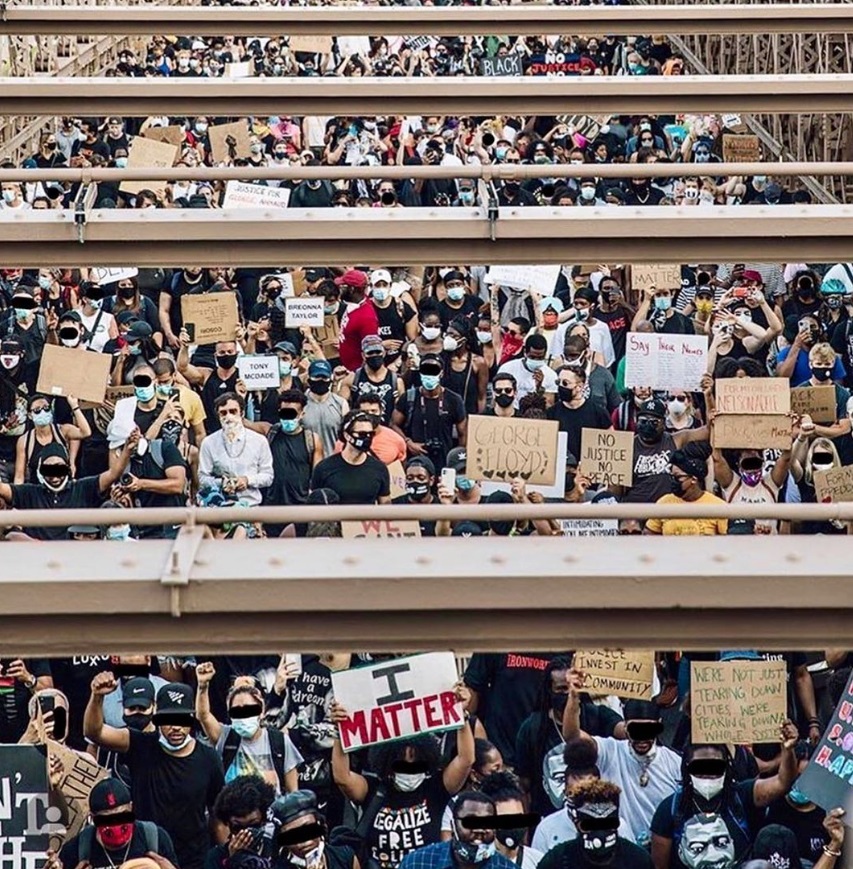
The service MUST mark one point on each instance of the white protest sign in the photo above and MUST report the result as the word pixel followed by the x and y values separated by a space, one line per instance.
pixel 662 361
pixel 259 372
pixel 303 311
pixel 558 490
pixel 240 194
pixel 398 698
pixel 539 279
pixel 240 69
pixel 110 276
pixel 589 527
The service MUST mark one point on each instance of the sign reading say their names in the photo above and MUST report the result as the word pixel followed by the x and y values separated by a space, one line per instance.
pixel 398 698
pixel 65 371
pixel 259 372
pixel 816 401
pixel 834 486
pixel 26 818
pixel 662 361
pixel 509 448
pixel 241 194
pixel 210 317
pixel 753 395
pixel 621 672
pixel 738 702
pixel 304 311
pixel 375 528
pixel 607 457
pixel 656 277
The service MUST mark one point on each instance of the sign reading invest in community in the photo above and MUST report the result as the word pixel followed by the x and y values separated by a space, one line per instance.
pixel 621 672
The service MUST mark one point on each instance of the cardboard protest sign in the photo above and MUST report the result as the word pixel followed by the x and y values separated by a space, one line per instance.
pixel 508 65
pixel 739 702
pixel 505 449
pixel 304 311
pixel 112 395
pixel 329 334
pixel 311 44
pixel 624 673
pixel 664 362
pixel 589 527
pixel 657 276
pixel 398 698
pixel 375 528
pixel 741 431
pixel 826 780
pixel 26 818
pixel 145 153
pixel 65 371
pixel 397 473
pixel 753 395
pixel 741 149
pixel 80 773
pixel 834 486
pixel 607 457
pixel 173 135
pixel 210 317
pixel 557 490
pixel 110 276
pixel 229 141
pixel 537 279
pixel 259 372
pixel 816 401
pixel 241 194
pixel 240 69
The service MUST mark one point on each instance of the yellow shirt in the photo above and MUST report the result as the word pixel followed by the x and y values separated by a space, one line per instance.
pixel 191 405
pixel 689 526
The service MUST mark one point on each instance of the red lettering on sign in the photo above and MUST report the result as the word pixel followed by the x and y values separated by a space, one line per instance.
pixel 354 726
pixel 449 709
pixel 823 756
pixel 392 711
pixel 377 724
pixel 412 706
pixel 431 711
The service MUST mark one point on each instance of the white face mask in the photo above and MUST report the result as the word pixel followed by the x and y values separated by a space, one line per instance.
pixel 484 337
pixel 676 408
pixel 431 332
pixel 450 343
pixel 408 782
pixel 708 787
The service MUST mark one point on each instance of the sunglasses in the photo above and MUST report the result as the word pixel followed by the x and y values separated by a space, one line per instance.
pixel 508 390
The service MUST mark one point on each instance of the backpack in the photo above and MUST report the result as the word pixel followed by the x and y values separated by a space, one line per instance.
pixel 277 750
pixel 87 835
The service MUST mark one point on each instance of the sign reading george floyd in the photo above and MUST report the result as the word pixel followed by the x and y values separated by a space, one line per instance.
pixel 738 702
pixel 505 449
pixel 26 818
pixel 397 699
pixel 620 672
pixel 662 361
pixel 828 779
pixel 607 457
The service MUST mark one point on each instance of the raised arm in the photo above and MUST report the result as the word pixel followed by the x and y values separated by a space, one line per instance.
pixel 94 727
pixel 352 785
pixel 204 674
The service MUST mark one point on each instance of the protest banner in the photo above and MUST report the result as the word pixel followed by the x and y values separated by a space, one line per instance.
pixel 607 457
pixel 397 474
pixel 665 362
pixel 621 672
pixel 259 372
pixel 816 401
pixel 65 371
pixel 741 149
pixel 656 277
pixel 557 490
pixel 172 135
pixel 834 486
pixel 210 317
pixel 241 194
pixel 374 528
pixel 537 279
pixel 506 449
pixel 398 698
pixel 759 431
pixel 417 43
pixel 826 780
pixel 80 773
pixel 311 44
pixel 737 702
pixel 110 276
pixel 508 65
pixel 145 153
pixel 26 818
pixel 753 395
pixel 304 311
pixel 589 527
pixel 229 141
pixel 560 63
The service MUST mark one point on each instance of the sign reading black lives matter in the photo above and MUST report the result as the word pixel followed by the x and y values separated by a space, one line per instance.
pixel 26 819
pixel 398 698
pixel 508 65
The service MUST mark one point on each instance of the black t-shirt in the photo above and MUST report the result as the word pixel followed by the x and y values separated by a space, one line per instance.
pixel 589 415
pixel 405 821
pixel 145 418
pixel 427 528
pixel 651 470
pixel 355 484
pixel 432 421
pixel 33 496
pixel 146 468
pixel 570 855
pixel 15 698
pixel 175 791
pixel 98 858
pixel 617 322
pixel 806 826
pixel 677 324
pixel 393 318
pixel 73 677
pixel 469 309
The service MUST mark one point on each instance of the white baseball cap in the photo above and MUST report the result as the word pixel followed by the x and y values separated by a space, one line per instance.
pixel 380 276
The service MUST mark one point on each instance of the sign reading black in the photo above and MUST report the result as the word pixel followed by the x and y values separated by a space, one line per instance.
pixel 25 818
pixel 508 65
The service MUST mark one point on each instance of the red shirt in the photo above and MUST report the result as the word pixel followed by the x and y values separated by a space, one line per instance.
pixel 356 324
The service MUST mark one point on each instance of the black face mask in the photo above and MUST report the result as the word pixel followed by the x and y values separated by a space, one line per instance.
pixel 226 361
pixel 319 387
pixel 126 293
pixel 503 400
pixel 362 441
pixel 417 491
pixel 675 486
pixel 137 720
pixel 566 393
pixel 558 702
pixel 822 374
pixel 511 838
pixel 374 363
pixel 649 431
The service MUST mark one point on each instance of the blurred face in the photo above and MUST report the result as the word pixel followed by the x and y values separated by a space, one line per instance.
pixel 300 849
pixel 470 809
pixel 230 410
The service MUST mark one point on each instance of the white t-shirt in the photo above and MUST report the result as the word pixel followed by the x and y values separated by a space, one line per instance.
pixel 524 379
pixel 618 764
pixel 766 492
pixel 99 335
pixel 558 827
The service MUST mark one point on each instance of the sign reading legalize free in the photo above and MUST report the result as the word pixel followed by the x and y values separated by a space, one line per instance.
pixel 739 702
pixel 506 449
pixel 624 673
pixel 398 698
pixel 661 361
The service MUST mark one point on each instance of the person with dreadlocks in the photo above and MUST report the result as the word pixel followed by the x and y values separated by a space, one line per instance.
pixel 17 382
pixel 708 788
pixel 539 744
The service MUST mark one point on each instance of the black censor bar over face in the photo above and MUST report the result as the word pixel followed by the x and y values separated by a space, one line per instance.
pixel 390 673
pixel 298 835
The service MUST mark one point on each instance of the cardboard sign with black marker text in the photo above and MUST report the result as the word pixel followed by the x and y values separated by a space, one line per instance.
pixel 210 317
pixel 621 672
pixel 505 449
pixel 607 457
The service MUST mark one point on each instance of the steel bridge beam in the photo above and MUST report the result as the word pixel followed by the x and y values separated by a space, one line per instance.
pixel 425 96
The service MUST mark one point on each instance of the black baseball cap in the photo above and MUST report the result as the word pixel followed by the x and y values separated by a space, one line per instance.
pixel 138 693
pixel 652 407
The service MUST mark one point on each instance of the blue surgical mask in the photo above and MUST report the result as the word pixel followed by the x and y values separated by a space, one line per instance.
pixel 144 393
pixel 284 368
pixel 464 484
pixel 456 294
pixel 330 309
pixel 44 282
pixel 500 153
pixel 96 303
pixel 430 381
pixel 289 426
pixel 380 295
pixel 164 390
pixel 121 162
pixel 118 532
pixel 246 728
pixel 134 349
pixel 466 197
pixel 798 798
pixel 43 417
pixel 172 749
pixel 21 314
pixel 663 303
pixel 533 364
